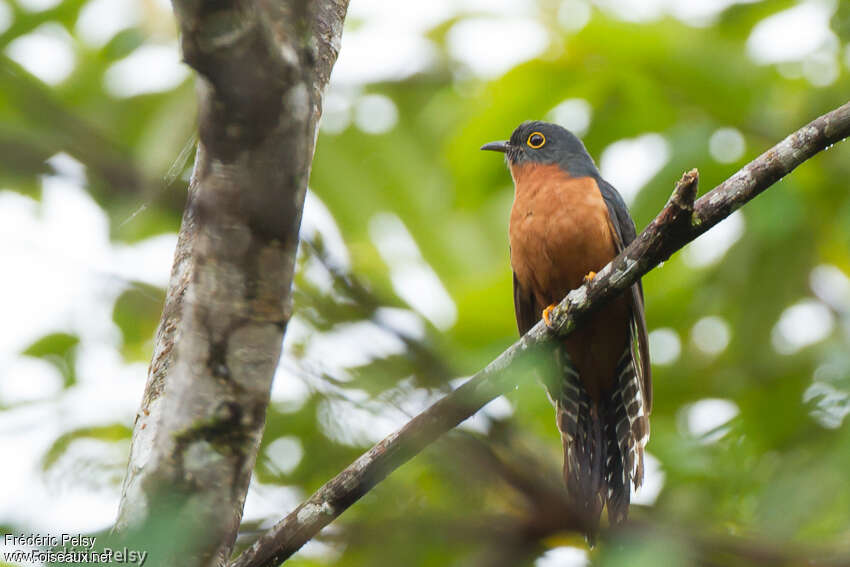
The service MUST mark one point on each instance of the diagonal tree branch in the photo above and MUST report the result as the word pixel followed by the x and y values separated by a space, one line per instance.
pixel 680 221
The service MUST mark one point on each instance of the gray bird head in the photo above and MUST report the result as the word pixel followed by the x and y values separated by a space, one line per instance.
pixel 546 143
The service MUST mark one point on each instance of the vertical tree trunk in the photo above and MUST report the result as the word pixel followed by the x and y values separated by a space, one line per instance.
pixel 261 69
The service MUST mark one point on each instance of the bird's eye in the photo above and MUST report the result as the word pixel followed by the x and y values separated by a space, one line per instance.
pixel 536 140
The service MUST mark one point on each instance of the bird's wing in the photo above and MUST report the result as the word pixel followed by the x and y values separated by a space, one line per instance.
pixel 623 229
pixel 526 315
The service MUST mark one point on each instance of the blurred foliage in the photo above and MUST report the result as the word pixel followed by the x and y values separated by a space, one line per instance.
pixel 59 350
pixel 109 433
pixel 132 315
pixel 776 472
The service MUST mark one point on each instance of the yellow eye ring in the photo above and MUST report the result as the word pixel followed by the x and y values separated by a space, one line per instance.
pixel 536 140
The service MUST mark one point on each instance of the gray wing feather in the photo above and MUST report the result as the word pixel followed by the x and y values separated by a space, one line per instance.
pixel 526 315
pixel 626 233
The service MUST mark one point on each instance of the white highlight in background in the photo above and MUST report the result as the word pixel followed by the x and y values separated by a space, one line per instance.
pixel 705 419
pixel 792 34
pixel 412 278
pixel 701 12
pixel 573 15
pixel 132 75
pixel 100 20
pixel 353 344
pixel 38 5
pixel 693 12
pixel 265 501
pixel 375 114
pixel 381 52
pixel 831 404
pixel 493 46
pixel 711 335
pixel 713 245
pixel 573 114
pixel 5 16
pixel 653 481
pixel 402 321
pixel 47 52
pixel 821 68
pixel 629 164
pixel 804 323
pixel 318 220
pixel 726 145
pixel 65 280
pixel 284 454
pixel 563 557
pixel 336 112
pixel 664 346
pixel 29 379
pixel 831 285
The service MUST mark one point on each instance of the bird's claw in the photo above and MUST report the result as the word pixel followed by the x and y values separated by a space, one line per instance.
pixel 589 276
pixel 546 319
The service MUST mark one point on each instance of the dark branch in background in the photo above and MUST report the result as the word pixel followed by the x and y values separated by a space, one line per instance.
pixel 59 129
pixel 431 370
pixel 680 221
pixel 716 550
pixel 517 538
pixel 519 535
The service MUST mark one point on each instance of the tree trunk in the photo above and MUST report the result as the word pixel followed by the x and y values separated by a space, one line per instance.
pixel 261 69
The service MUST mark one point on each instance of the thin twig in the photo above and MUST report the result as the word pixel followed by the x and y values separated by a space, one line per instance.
pixel 680 221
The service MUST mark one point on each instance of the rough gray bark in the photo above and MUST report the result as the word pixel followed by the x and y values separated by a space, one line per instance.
pixel 261 69
pixel 679 222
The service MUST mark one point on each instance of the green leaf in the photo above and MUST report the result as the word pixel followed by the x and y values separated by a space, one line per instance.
pixel 59 349
pixel 136 313
pixel 109 433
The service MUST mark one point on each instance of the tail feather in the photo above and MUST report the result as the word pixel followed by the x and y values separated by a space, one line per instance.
pixel 603 443
pixel 633 431
pixel 581 436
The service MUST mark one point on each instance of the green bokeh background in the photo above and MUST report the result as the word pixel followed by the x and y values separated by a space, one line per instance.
pixel 778 471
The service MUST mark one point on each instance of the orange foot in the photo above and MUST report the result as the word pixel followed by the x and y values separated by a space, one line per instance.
pixel 546 313
pixel 589 276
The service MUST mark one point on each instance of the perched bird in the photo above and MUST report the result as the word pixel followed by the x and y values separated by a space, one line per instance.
pixel 567 223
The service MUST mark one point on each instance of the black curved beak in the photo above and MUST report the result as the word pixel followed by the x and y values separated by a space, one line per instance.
pixel 496 147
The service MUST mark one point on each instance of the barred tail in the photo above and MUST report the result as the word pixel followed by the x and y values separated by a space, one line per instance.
pixel 627 431
pixel 579 422
pixel 603 443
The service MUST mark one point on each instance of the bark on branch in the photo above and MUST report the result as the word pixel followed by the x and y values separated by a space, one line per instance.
pixel 680 221
pixel 262 67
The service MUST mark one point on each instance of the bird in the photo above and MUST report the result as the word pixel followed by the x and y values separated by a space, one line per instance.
pixel 566 223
